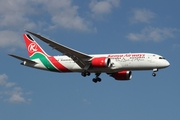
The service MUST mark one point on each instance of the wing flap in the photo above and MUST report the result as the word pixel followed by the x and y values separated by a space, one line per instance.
pixel 80 58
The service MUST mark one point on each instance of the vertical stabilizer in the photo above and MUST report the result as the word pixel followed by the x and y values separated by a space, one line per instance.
pixel 33 48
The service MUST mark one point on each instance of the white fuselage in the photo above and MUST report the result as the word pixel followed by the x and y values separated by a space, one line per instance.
pixel 119 62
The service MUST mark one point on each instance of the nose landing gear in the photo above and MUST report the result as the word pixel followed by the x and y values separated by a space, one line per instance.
pixel 154 70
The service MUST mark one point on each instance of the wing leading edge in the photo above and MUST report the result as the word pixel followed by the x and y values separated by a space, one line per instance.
pixel 80 58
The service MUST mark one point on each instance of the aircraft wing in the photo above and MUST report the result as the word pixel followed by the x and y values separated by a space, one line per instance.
pixel 23 59
pixel 80 58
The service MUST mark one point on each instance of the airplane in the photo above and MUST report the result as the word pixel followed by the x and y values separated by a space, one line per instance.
pixel 119 66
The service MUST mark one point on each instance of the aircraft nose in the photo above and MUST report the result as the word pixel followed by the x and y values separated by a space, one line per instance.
pixel 167 64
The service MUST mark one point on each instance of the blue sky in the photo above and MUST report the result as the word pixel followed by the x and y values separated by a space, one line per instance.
pixel 91 26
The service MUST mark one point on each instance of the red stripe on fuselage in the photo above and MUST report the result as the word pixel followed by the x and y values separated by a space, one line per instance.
pixel 58 65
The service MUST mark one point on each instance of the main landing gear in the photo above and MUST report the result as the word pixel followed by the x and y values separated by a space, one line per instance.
pixel 85 73
pixel 154 74
pixel 95 80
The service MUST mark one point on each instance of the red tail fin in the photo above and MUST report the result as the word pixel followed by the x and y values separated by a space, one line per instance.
pixel 33 47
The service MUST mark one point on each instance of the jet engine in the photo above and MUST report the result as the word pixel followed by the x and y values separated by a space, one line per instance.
pixel 100 62
pixel 122 75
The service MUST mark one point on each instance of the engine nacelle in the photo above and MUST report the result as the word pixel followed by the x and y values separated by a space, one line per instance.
pixel 100 62
pixel 122 75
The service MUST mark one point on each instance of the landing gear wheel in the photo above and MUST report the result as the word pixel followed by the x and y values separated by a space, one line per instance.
pixel 153 74
pixel 83 74
pixel 98 79
pixel 94 80
pixel 88 73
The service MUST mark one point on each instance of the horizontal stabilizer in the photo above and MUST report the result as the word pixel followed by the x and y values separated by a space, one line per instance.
pixel 23 59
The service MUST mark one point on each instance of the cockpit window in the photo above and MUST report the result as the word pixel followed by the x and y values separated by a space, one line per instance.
pixel 161 58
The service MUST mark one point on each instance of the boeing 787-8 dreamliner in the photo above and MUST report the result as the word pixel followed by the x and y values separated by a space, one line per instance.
pixel 119 66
